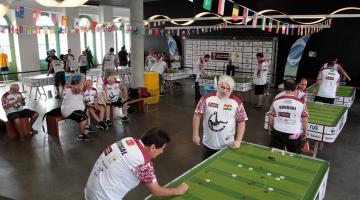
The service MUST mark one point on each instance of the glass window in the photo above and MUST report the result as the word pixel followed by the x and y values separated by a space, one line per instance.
pixel 42 40
pixel 5 40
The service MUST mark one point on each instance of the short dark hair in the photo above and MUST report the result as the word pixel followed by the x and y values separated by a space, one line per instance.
pixel 155 136
pixel 111 49
pixel 207 56
pixel 290 84
pixel 259 55
pixel 75 81
pixel 333 57
pixel 62 56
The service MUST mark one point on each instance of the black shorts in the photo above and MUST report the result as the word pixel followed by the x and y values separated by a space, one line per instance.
pixel 83 69
pixel 26 113
pixel 207 152
pixel 281 140
pixel 59 78
pixel 325 100
pixel 259 89
pixel 78 116
pixel 118 103
pixel 4 69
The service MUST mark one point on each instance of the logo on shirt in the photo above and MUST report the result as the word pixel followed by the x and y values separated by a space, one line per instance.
pixel 284 114
pixel 130 142
pixel 108 150
pixel 214 124
pixel 214 105
pixel 227 107
pixel 330 78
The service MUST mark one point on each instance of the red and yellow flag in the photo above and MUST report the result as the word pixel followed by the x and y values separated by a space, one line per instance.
pixel 64 21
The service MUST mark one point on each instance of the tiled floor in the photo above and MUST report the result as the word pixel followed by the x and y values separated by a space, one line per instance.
pixel 46 168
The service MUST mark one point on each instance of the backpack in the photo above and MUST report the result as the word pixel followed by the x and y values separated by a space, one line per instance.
pixel 53 112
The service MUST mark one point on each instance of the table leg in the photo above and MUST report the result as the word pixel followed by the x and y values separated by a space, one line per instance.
pixel 30 90
pixel 315 149
pixel 36 92
pixel 44 92
pixel 321 146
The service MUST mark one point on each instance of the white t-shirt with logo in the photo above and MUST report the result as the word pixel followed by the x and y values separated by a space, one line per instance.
pixel 58 66
pixel 109 61
pixel 10 97
pixel 288 112
pixel 90 95
pixel 261 78
pixel 329 81
pixel 113 91
pixel 120 168
pixel 83 60
pixel 220 117
pixel 151 60
pixel 301 95
pixel 71 102
pixel 159 67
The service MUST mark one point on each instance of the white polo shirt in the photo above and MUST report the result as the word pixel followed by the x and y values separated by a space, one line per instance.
pixel 109 61
pixel 220 117
pixel 58 66
pixel 90 95
pixel 113 91
pixel 261 78
pixel 83 60
pixel 288 112
pixel 329 81
pixel 12 98
pixel 159 67
pixel 71 102
pixel 120 168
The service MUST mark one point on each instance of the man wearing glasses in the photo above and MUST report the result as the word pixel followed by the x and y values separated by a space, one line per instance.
pixel 223 116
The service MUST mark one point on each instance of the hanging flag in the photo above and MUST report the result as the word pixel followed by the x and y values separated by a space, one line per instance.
pixel 254 18
pixel 277 26
pixel 270 25
pixel 19 11
pixel 292 29
pixel 330 22
pixel 235 13
pixel 36 15
pixel 192 1
pixel 54 18
pixel 244 17
pixel 64 21
pixel 287 29
pixel 76 23
pixel 221 6
pixel 263 22
pixel 207 4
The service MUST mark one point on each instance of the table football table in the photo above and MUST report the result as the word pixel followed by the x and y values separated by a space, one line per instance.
pixel 344 95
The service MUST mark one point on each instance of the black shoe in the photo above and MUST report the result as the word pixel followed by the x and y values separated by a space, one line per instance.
pixel 98 126
pixel 33 131
pixel 83 137
pixel 104 126
pixel 57 97
pixel 124 119
pixel 108 122
pixel 89 129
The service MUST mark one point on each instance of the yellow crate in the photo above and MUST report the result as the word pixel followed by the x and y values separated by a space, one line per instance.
pixel 151 80
pixel 154 92
pixel 152 100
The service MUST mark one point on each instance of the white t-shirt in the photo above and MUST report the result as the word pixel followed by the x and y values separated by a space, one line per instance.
pixel 83 60
pixel 261 78
pixel 329 81
pixel 10 99
pixel 335 66
pixel 199 66
pixel 159 67
pixel 72 64
pixel 90 95
pixel 113 91
pixel 71 102
pixel 150 61
pixel 288 112
pixel 109 61
pixel 220 117
pixel 120 168
pixel 301 95
pixel 58 66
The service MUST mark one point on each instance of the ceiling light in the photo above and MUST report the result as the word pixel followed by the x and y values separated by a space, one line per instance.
pixel 61 3
pixel 4 8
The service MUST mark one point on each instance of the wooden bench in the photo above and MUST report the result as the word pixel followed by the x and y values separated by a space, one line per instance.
pixel 10 130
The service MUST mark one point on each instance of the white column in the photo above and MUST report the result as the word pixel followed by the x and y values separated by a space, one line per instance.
pixel 73 39
pixel 107 14
pixel 137 43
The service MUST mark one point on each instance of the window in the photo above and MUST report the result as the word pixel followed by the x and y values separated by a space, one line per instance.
pixel 5 40
pixel 45 41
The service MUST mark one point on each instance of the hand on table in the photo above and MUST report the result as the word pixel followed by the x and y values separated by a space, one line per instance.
pixel 196 140
pixel 235 145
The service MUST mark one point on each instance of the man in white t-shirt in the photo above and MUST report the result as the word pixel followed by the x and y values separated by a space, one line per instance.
pixel 260 78
pixel 125 164
pixel 150 60
pixel 326 85
pixel 83 62
pixel 109 64
pixel 73 107
pixel 13 103
pixel 58 67
pixel 159 67
pixel 287 116
pixel 223 116
pixel 199 70
pixel 300 91
pixel 333 63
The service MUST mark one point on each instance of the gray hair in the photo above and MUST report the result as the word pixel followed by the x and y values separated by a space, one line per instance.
pixel 228 80
pixel 13 85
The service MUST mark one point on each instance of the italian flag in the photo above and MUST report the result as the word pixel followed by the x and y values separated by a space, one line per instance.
pixel 227 106
pixel 221 6
pixel 207 4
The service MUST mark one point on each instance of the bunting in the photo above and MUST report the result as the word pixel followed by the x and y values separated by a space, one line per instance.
pixel 207 5
pixel 244 17
pixel 235 13
pixel 221 6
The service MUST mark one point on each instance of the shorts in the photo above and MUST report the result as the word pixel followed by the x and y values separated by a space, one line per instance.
pixel 59 78
pixel 207 152
pixel 280 140
pixel 123 62
pixel 4 69
pixel 78 116
pixel 108 72
pixel 26 113
pixel 259 89
pixel 118 103
pixel 83 69
pixel 324 99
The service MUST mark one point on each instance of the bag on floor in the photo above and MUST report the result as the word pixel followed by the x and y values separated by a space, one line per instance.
pixel 53 112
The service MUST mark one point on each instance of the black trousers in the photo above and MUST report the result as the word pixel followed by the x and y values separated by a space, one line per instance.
pixel 230 69
pixel 197 91
pixel 325 100
pixel 281 140
pixel 207 152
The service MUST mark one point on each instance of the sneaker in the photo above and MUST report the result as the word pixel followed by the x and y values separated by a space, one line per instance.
pixel 83 137
pixel 98 126
pixel 124 119
pixel 89 129
pixel 108 122
pixel 33 131
pixel 104 126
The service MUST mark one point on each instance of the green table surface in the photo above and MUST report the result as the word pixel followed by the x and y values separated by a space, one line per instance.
pixel 237 79
pixel 342 91
pixel 324 114
pixel 253 172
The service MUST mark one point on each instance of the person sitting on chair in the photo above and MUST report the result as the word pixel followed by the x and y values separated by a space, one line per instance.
pixel 13 103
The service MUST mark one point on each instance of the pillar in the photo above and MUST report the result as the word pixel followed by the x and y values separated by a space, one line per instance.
pixel 73 39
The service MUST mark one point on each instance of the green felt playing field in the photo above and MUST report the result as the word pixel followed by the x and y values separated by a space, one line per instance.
pixel 237 79
pixel 324 114
pixel 253 172
pixel 342 91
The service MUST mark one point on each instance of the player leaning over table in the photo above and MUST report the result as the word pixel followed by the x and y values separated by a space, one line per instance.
pixel 127 162
pixel 287 115
pixel 223 116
